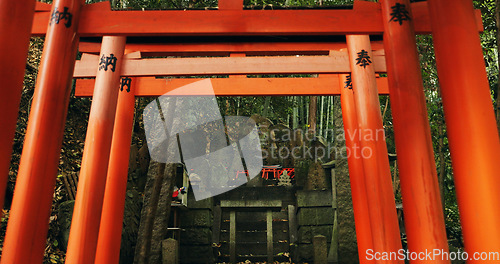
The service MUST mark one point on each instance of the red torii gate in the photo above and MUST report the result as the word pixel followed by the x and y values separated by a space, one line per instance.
pixel 328 84
pixel 474 149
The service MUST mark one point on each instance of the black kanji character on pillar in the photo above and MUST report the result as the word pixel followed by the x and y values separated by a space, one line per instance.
pixel 125 82
pixel 363 59
pixel 108 61
pixel 57 16
pixel 348 82
pixel 399 13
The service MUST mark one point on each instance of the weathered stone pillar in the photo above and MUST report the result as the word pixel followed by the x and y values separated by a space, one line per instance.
pixel 320 249
pixel 170 251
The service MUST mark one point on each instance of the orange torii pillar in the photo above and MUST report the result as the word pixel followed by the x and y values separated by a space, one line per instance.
pixel 29 217
pixel 356 174
pixel 472 130
pixel 423 211
pixel 84 231
pixel 110 230
pixel 373 152
pixel 16 18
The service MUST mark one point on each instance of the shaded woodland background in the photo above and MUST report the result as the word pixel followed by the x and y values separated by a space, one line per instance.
pixel 296 112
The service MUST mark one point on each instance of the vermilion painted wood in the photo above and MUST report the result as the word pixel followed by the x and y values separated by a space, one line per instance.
pixel 83 236
pixel 226 48
pixel 336 63
pixel 240 55
pixel 29 216
pixel 472 130
pixel 110 230
pixel 356 174
pixel 365 18
pixel 230 4
pixel 42 7
pixel 15 31
pixel 151 87
pixel 381 204
pixel 423 210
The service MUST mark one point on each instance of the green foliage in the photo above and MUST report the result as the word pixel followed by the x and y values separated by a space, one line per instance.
pixel 279 107
pixel 164 4
pixel 489 41
pixel 297 3
pixel 193 4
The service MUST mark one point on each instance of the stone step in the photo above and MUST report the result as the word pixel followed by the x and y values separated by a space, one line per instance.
pixel 254 258
pixel 251 235
pixel 255 248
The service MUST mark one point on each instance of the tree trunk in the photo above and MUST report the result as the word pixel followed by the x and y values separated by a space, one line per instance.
pixel 300 110
pixel 238 101
pixel 306 108
pixel 332 119
pixel 155 213
pixel 151 197
pixel 157 197
pixel 313 107
pixel 289 117
pixel 295 112
pixel 385 109
pixel 228 106
pixel 328 111
pixel 160 224
pixel 267 104
pixel 303 111
pixel 321 115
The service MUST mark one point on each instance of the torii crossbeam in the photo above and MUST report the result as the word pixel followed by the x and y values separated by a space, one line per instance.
pixel 364 18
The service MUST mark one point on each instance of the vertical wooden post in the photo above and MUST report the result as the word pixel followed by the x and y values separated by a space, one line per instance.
pixel 356 174
pixel 110 229
pixel 28 223
pixel 373 152
pixel 15 30
pixel 423 211
pixel 232 236
pixel 89 197
pixel 270 246
pixel 472 130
